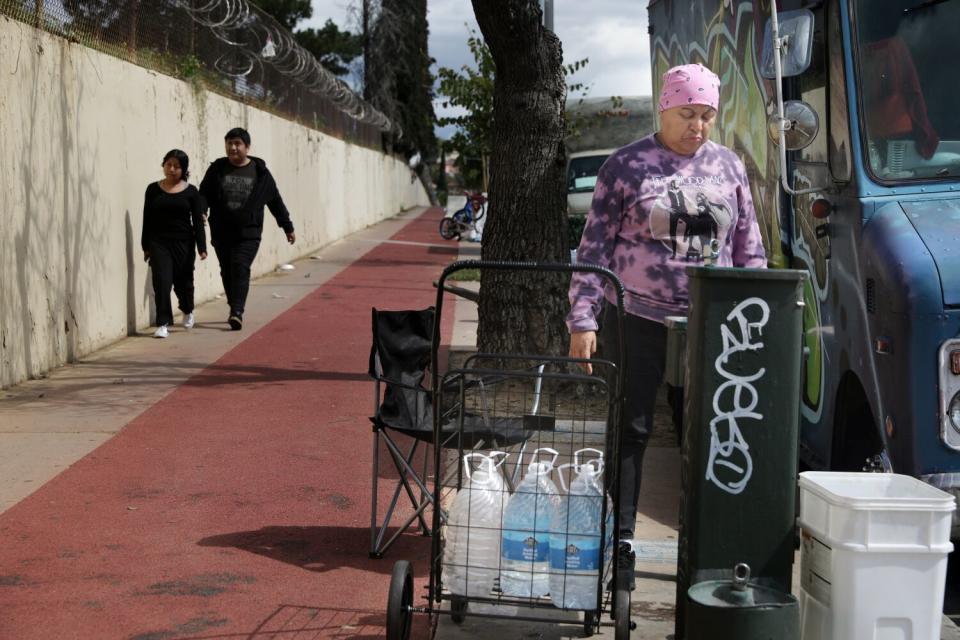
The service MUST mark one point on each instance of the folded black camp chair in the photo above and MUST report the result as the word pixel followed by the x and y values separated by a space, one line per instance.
pixel 400 360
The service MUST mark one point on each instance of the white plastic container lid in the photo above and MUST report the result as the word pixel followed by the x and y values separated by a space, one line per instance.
pixel 871 491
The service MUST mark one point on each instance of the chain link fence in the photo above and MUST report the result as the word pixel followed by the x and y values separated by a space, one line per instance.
pixel 228 46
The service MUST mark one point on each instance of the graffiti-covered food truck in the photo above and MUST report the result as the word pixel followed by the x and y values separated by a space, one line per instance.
pixel 855 174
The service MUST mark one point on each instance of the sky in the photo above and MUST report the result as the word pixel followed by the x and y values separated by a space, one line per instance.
pixel 612 34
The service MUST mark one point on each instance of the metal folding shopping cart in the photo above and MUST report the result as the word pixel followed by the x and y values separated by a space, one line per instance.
pixel 557 408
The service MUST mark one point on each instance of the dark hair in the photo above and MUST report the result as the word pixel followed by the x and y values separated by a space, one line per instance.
pixel 180 157
pixel 237 132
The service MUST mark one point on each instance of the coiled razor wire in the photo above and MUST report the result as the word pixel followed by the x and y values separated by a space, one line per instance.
pixel 255 39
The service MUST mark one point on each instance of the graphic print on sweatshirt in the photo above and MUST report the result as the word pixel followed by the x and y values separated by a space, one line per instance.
pixel 237 185
pixel 691 214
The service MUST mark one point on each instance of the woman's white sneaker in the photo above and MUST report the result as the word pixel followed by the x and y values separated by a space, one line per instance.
pixel 188 321
pixel 161 332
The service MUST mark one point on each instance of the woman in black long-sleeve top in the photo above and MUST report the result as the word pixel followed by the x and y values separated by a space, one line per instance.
pixel 172 225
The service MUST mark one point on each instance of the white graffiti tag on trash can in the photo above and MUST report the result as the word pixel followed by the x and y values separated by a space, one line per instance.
pixel 730 465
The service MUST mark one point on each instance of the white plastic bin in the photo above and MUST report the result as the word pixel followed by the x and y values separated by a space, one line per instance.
pixel 874 556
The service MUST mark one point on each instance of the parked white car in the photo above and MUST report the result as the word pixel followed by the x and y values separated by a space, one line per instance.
pixel 582 168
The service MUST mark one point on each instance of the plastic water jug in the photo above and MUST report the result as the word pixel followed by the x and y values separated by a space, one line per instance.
pixel 525 554
pixel 471 553
pixel 575 538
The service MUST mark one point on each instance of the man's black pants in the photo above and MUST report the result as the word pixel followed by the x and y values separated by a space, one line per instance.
pixel 171 265
pixel 235 258
pixel 645 352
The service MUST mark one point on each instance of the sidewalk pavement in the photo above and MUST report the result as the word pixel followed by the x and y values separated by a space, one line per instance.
pixel 215 483
pixel 186 487
pixel 48 424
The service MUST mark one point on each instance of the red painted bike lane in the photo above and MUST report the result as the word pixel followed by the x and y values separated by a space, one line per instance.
pixel 238 506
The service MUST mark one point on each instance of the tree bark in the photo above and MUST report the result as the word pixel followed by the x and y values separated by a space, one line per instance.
pixel 134 17
pixel 423 173
pixel 365 24
pixel 522 312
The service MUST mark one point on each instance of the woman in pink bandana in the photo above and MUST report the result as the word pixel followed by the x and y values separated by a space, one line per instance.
pixel 661 203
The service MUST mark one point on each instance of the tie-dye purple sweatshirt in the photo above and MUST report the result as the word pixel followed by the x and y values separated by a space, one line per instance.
pixel 653 212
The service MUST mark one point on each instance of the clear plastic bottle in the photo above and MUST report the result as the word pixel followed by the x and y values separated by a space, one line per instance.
pixel 471 553
pixel 575 537
pixel 525 553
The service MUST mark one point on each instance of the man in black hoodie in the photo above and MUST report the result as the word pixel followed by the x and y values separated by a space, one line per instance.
pixel 236 189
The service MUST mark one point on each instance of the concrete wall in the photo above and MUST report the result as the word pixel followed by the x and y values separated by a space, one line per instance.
pixel 81 135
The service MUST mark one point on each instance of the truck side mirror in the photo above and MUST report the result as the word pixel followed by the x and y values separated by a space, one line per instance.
pixel 796 32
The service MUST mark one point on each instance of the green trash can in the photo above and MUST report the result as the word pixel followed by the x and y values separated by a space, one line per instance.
pixel 741 411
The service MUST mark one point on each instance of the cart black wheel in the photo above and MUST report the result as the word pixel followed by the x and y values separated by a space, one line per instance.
pixel 448 228
pixel 399 616
pixel 590 619
pixel 458 607
pixel 622 614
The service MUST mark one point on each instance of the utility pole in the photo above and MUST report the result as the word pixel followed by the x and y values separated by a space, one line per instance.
pixel 548 14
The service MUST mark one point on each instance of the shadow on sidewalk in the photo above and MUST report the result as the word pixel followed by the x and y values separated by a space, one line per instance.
pixel 288 620
pixel 133 373
pixel 216 375
pixel 320 548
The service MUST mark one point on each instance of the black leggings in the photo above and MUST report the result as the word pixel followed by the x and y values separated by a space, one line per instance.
pixel 645 352
pixel 171 264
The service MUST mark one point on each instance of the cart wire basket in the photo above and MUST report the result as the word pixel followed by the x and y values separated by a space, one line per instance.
pixel 527 518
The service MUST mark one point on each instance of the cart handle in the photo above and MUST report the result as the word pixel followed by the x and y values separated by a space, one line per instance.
pixel 578 267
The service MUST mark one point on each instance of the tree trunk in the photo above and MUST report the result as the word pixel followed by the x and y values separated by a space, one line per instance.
pixel 423 173
pixel 522 312
pixel 132 29
pixel 365 25
pixel 485 166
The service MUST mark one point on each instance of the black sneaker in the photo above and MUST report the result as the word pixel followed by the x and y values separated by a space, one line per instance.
pixel 236 322
pixel 626 566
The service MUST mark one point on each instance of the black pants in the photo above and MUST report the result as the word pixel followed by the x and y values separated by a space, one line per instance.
pixel 645 352
pixel 235 258
pixel 171 264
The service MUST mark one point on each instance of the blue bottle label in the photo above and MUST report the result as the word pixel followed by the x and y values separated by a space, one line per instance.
pixel 524 546
pixel 580 555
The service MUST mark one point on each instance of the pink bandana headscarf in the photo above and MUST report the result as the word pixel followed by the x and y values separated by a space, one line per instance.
pixel 689 84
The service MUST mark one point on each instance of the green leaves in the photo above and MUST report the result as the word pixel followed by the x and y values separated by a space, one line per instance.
pixel 286 12
pixel 470 89
pixel 335 49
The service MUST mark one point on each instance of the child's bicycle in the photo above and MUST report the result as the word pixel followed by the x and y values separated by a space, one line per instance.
pixel 465 219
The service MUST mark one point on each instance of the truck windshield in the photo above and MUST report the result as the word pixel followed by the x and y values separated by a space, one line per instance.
pixel 909 54
pixel 582 173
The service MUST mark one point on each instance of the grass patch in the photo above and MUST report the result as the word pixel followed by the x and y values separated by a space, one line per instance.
pixel 465 275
